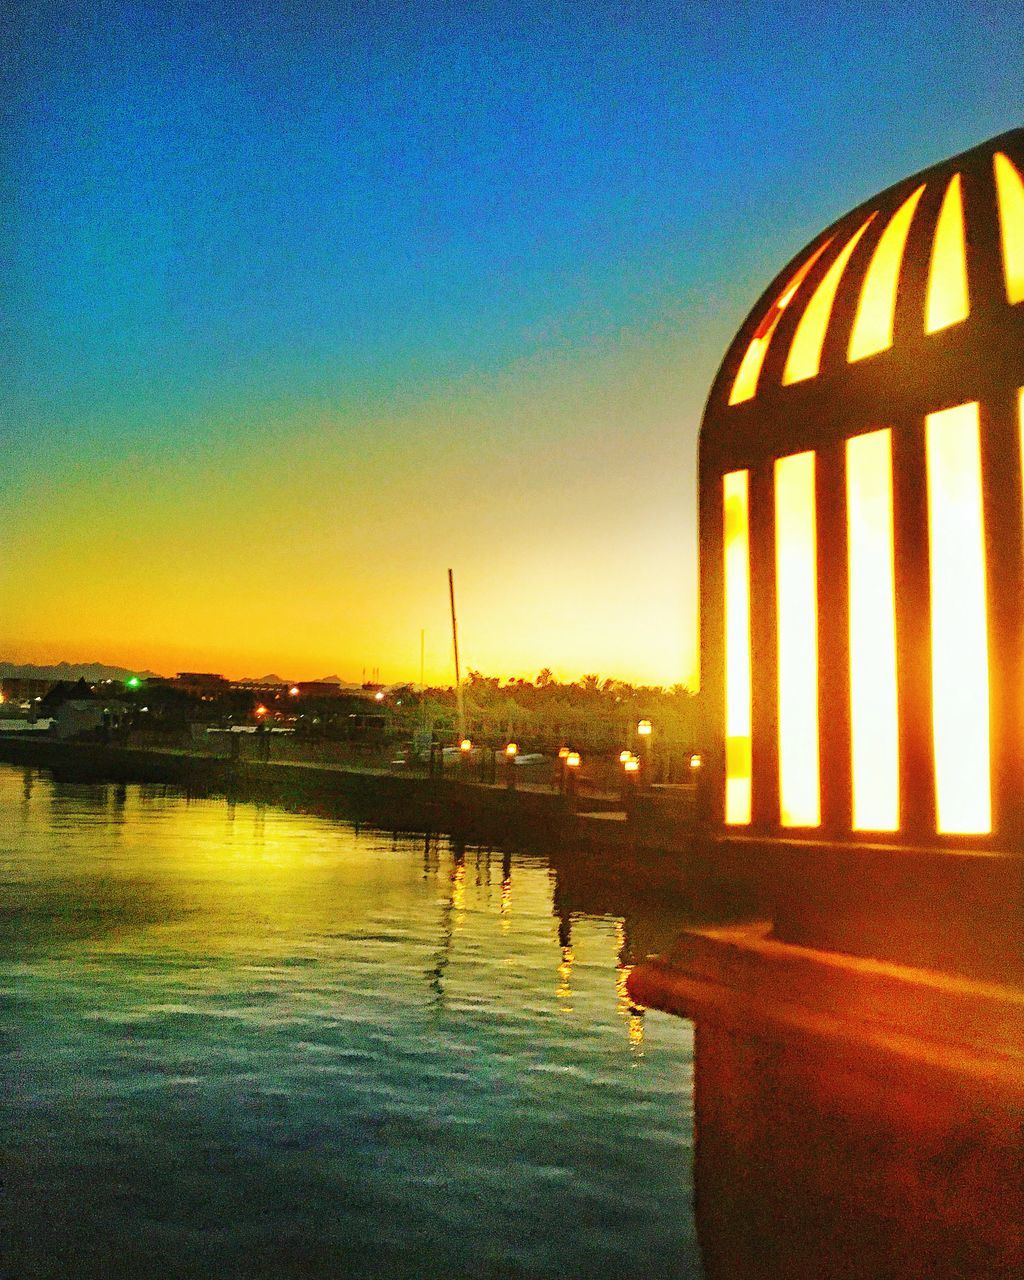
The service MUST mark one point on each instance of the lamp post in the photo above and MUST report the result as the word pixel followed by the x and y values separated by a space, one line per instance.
pixel 645 732
pixel 511 751
pixel 572 767
pixel 563 754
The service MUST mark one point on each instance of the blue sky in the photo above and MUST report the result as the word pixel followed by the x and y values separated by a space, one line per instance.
pixel 469 269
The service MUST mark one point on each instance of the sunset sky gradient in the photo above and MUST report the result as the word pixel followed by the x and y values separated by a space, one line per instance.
pixel 302 310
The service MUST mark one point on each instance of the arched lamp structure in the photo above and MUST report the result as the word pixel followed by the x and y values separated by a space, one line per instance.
pixel 862 528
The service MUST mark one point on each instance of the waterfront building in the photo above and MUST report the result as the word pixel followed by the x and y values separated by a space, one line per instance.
pixel 20 689
pixel 206 685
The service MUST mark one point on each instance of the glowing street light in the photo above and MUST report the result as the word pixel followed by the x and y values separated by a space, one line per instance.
pixel 572 760
pixel 512 750
pixel 294 690
pixel 379 696
pixel 695 762
pixel 631 765
pixel 261 710
pixel 644 729
pixel 563 753
pixel 466 745
pixel 625 755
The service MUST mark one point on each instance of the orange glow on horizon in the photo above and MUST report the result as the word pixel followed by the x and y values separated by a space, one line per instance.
pixel 874 721
pixel 797 618
pixel 947 301
pixel 738 683
pixel 960 687
pixel 876 309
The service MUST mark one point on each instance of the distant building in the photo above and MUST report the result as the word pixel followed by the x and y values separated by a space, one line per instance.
pixel 321 689
pixel 206 685
pixel 18 689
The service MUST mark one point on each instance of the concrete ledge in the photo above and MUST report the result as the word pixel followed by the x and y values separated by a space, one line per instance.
pixel 874 1012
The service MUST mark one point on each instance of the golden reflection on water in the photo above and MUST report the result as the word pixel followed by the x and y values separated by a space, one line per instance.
pixel 279 1009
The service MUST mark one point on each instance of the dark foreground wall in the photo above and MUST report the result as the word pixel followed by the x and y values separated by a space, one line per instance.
pixel 814 1164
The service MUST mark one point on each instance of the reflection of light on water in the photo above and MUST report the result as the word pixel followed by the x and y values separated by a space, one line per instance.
pixel 636 1032
pixel 563 991
pixel 310 994
pixel 626 1009
pixel 623 1003
pixel 459 888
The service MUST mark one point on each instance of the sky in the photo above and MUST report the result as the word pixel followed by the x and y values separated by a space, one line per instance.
pixel 300 309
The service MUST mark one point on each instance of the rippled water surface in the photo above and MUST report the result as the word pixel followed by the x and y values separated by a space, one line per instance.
pixel 243 1042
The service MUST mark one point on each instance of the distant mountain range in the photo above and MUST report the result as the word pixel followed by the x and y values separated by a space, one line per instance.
pixel 93 672
pixel 90 671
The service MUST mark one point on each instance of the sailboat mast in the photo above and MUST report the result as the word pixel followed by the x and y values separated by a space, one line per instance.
pixel 459 702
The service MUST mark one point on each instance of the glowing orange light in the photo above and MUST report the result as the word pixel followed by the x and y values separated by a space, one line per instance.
pixel 797 618
pixel 1010 191
pixel 294 690
pixel 695 761
pixel 261 711
pixel 745 385
pixel 872 329
pixel 644 729
pixel 572 760
pixel 563 753
pixel 511 750
pixel 378 696
pixel 738 713
pixel 624 756
pixel 631 765
pixel 466 745
pixel 947 301
pixel 960 689
pixel 873 707
pixel 804 359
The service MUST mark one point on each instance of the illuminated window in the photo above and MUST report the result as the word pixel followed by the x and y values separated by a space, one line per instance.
pixel 1010 190
pixel 804 359
pixel 745 386
pixel 872 329
pixel 797 617
pixel 736 496
pixel 959 637
pixel 873 708
pixel 947 301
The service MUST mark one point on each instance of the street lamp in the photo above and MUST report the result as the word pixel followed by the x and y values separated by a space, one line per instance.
pixel 645 731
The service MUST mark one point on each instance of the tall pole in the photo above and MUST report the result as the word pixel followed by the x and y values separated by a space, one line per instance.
pixel 459 704
pixel 423 689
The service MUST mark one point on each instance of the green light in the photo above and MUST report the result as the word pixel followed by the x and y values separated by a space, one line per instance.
pixel 133 682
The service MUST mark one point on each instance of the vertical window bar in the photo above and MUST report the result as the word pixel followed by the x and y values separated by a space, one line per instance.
pixel 736 498
pixel 797 621
pixel 874 720
pixel 960 683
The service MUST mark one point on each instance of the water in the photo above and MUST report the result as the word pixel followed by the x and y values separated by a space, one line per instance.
pixel 238 1041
